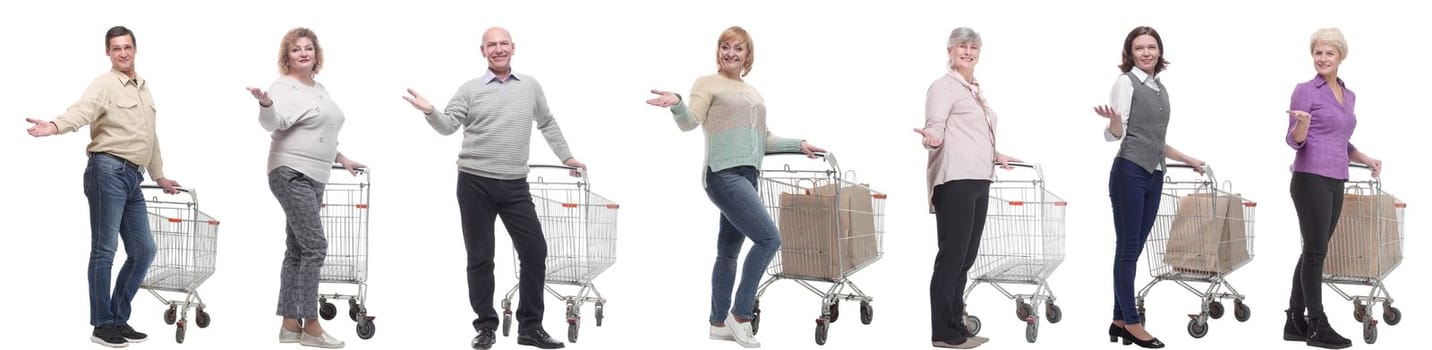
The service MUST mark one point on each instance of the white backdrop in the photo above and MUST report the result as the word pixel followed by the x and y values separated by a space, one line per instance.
pixel 850 77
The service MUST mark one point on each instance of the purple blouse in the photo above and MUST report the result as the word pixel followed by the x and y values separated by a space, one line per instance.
pixel 1325 151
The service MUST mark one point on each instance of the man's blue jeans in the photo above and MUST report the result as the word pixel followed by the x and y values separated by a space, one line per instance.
pixel 117 211
pixel 743 216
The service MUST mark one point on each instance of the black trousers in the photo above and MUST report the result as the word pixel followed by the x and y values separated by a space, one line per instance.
pixel 481 200
pixel 1318 201
pixel 960 208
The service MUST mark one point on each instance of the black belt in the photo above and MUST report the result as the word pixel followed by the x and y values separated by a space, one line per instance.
pixel 121 160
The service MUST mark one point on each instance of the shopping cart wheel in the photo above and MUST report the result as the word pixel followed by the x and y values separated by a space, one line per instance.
pixel 201 318
pixel 179 332
pixel 1197 329
pixel 599 314
pixel 506 322
pixel 1358 312
pixel 1369 332
pixel 822 329
pixel 1031 331
pixel 1241 311
pixel 171 315
pixel 1391 314
pixel 572 325
pixel 1053 313
pixel 353 309
pixel 756 318
pixel 834 311
pixel 867 313
pixel 327 310
pixel 1215 309
pixel 366 328
pixel 972 324
pixel 1022 309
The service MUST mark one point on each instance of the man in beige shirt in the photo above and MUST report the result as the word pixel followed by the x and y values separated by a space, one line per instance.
pixel 120 112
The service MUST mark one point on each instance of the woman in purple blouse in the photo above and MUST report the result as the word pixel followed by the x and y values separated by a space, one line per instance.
pixel 1320 124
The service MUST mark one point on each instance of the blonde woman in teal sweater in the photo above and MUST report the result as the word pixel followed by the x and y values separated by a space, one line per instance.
pixel 733 117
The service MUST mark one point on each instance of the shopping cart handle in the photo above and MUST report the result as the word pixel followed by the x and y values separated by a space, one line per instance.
pixel 157 187
pixel 337 166
pixel 1358 165
pixel 553 166
pixel 782 153
pixel 1018 164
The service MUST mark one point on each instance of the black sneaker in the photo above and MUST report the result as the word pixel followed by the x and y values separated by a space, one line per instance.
pixel 484 340
pixel 539 338
pixel 108 336
pixel 131 335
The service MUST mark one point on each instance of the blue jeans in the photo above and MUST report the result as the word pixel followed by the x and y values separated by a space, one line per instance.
pixel 743 216
pixel 1134 194
pixel 117 210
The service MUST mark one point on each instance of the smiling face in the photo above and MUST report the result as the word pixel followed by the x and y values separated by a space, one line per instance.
pixel 964 56
pixel 121 53
pixel 497 47
pixel 735 53
pixel 1326 59
pixel 732 57
pixel 1146 53
pixel 302 55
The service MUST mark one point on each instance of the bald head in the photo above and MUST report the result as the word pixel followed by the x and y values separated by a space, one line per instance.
pixel 497 47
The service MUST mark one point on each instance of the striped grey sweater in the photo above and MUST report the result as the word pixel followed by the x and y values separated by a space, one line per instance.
pixel 496 119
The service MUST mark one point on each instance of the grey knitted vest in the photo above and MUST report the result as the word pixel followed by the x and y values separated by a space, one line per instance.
pixel 1148 124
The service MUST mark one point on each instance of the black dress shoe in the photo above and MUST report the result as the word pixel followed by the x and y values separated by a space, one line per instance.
pixel 1322 335
pixel 1296 328
pixel 484 340
pixel 1114 332
pixel 1129 338
pixel 539 338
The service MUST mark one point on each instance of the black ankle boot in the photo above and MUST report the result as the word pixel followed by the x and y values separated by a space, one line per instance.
pixel 1296 328
pixel 1321 334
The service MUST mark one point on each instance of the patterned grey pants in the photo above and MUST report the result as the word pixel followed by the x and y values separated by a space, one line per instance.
pixel 300 196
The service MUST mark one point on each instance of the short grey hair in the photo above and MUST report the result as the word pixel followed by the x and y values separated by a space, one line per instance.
pixel 1331 36
pixel 959 36
pixel 963 35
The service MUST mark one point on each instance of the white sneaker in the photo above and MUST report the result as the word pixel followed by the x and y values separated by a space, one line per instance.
pixel 324 341
pixel 286 337
pixel 741 332
pixel 721 333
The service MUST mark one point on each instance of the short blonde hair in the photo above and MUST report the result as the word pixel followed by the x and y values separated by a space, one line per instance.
pixel 1330 36
pixel 736 33
pixel 291 39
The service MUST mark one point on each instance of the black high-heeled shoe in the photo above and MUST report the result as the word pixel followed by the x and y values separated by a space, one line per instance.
pixel 1114 332
pixel 1129 338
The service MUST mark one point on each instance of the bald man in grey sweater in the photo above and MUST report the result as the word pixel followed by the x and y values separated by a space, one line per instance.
pixel 496 113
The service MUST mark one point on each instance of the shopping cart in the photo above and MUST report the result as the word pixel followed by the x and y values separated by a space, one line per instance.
pixel 185 240
pixel 581 233
pixel 830 226
pixel 1365 247
pixel 344 214
pixel 1202 234
pixel 1022 244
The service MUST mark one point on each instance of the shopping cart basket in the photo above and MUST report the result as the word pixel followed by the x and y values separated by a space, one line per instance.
pixel 830 226
pixel 344 214
pixel 185 239
pixel 1366 246
pixel 1022 244
pixel 1202 234
pixel 581 233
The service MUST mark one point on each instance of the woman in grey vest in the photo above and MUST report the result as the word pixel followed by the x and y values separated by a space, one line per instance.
pixel 1138 117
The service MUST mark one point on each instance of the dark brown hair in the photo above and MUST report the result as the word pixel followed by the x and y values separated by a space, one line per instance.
pixel 118 31
pixel 1128 56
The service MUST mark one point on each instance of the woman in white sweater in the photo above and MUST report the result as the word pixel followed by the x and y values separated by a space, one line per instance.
pixel 305 122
